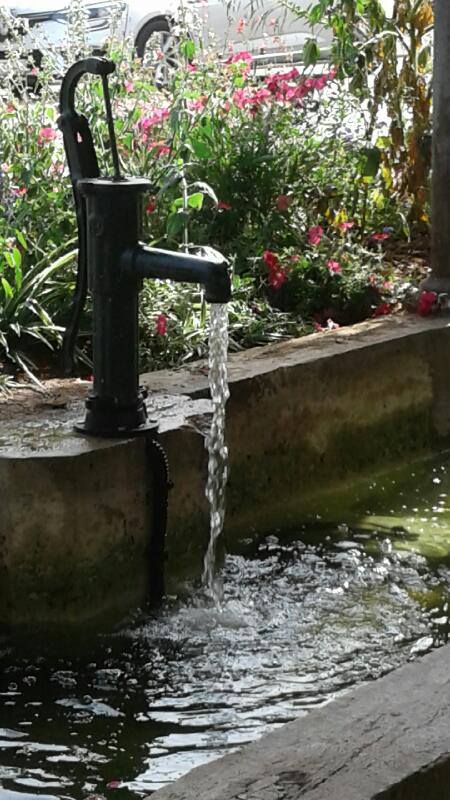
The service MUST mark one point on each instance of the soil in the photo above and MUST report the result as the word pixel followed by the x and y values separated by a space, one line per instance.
pixel 29 399
pixel 410 261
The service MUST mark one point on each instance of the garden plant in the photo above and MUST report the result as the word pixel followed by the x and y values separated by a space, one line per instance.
pixel 288 174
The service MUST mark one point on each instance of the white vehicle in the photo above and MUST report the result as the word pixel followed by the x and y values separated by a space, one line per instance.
pixel 270 33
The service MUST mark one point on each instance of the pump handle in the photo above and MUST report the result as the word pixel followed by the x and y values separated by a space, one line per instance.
pixel 83 163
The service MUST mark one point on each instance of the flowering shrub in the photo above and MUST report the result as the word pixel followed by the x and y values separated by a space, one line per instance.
pixel 264 170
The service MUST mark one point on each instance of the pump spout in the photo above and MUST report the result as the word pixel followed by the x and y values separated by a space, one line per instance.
pixel 210 269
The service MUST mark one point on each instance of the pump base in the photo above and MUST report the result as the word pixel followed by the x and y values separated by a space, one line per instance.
pixel 146 429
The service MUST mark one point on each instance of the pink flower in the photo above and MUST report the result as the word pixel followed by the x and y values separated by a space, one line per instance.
pixel 318 327
pixel 241 25
pixel 223 206
pixel 46 135
pixel 259 97
pixel 277 278
pixel 315 234
pixel 159 148
pixel 161 324
pixel 157 117
pixel 334 267
pixel 332 325
pixel 243 55
pixel 240 98
pixel 151 206
pixel 278 80
pixel 284 201
pixel 319 83
pixel 345 226
pixel 10 108
pixel 379 237
pixel 271 259
pixel 18 191
pixel 113 784
pixel 198 104
pixel 192 68
pixel 128 86
pixel 382 310
pixel 426 303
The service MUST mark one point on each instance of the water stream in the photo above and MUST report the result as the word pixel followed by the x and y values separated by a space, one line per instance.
pixel 215 442
pixel 353 592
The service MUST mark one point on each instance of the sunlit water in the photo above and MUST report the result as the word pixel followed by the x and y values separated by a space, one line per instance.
pixel 346 598
pixel 215 442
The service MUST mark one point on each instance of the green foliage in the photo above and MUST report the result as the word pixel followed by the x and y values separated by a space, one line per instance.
pixel 387 63
pixel 237 163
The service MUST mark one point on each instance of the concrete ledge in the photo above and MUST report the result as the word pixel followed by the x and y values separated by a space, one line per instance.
pixel 388 740
pixel 310 415
pixel 305 418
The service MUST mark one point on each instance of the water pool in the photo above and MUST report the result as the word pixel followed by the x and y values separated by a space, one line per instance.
pixel 348 596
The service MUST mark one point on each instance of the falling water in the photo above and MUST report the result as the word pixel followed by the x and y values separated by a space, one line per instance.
pixel 215 441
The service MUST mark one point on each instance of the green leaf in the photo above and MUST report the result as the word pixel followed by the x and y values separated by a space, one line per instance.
pixel 196 200
pixel 201 149
pixel 9 294
pixel 17 257
pixel 206 189
pixel 187 49
pixel 311 52
pixel 175 223
pixel 372 162
pixel 21 239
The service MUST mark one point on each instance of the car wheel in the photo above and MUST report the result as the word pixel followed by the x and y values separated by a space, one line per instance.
pixel 156 47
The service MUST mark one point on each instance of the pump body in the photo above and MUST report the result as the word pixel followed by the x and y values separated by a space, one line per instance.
pixel 112 264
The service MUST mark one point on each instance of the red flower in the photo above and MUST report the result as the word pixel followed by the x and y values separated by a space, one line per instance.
pixel 284 201
pixel 334 267
pixel 315 234
pixel 379 237
pixel 382 310
pixel 223 205
pixel 271 259
pixel 161 324
pixel 277 278
pixel 426 303
pixel 151 205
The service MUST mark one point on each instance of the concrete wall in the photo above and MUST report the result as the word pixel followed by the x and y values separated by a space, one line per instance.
pixel 305 417
pixel 308 419
pixel 387 740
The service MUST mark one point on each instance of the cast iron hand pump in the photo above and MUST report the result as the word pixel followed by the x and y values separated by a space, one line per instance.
pixel 113 262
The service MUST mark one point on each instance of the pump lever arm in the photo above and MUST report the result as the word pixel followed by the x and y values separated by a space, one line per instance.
pixel 82 162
